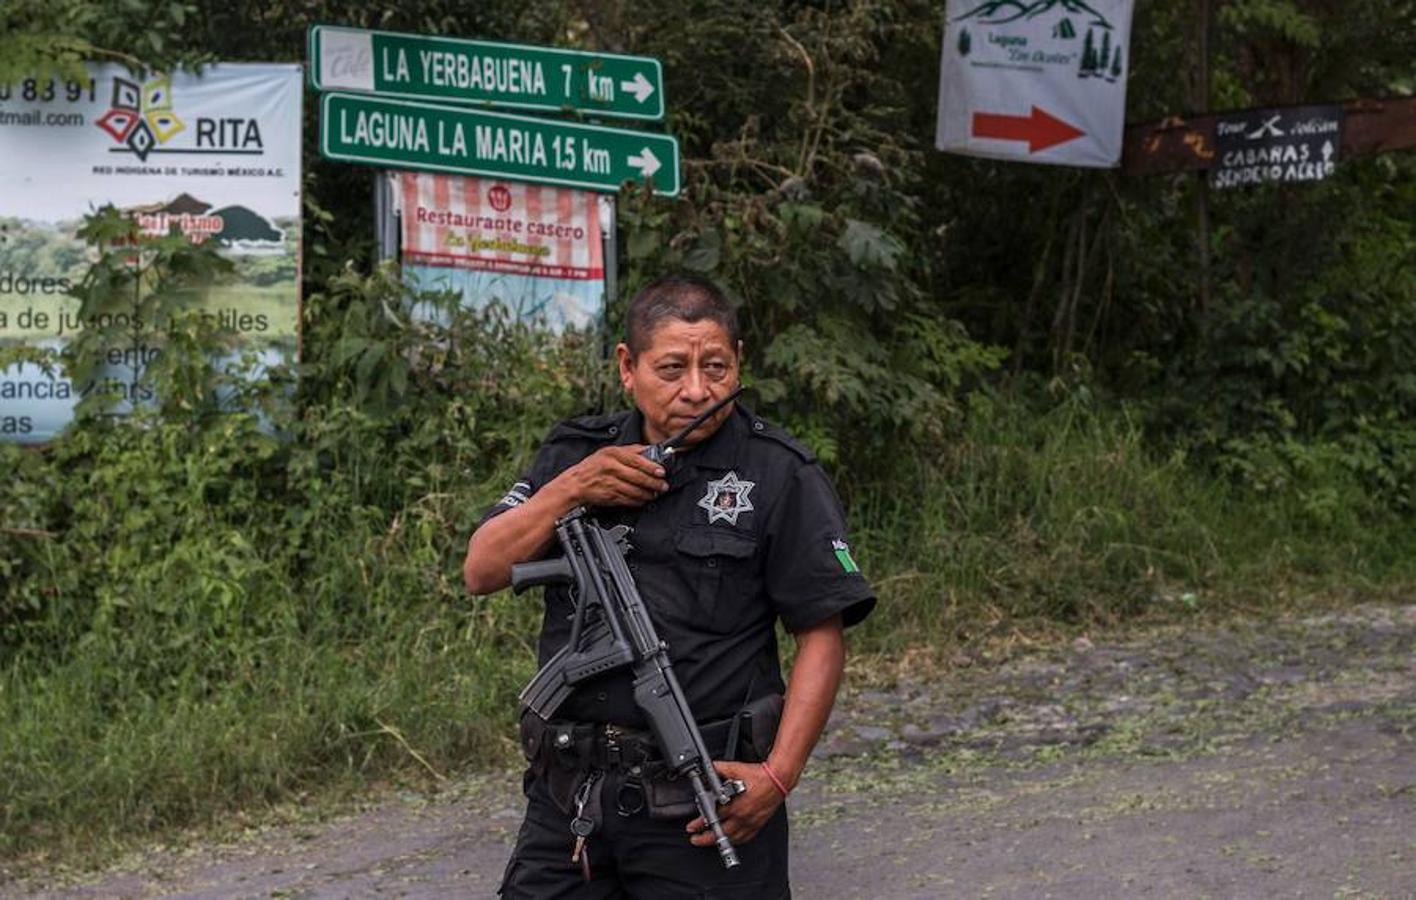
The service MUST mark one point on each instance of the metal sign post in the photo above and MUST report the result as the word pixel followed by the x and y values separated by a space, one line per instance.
pixel 385 218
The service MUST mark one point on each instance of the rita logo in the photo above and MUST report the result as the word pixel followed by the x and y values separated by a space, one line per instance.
pixel 141 116
pixel 141 121
pixel 500 198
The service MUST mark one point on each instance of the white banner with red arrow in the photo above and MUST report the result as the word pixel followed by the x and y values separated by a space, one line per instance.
pixel 1035 80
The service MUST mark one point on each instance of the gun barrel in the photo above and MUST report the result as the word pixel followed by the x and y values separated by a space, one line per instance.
pixel 708 808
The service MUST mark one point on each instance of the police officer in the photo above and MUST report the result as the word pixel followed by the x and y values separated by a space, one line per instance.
pixel 741 529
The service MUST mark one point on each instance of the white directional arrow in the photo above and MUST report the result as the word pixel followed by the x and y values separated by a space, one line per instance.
pixel 639 87
pixel 647 163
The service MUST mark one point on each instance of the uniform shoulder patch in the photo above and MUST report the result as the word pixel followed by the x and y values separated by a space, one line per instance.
pixel 843 556
pixel 764 429
pixel 601 428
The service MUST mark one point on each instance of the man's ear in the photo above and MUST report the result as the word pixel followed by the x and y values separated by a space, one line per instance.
pixel 626 366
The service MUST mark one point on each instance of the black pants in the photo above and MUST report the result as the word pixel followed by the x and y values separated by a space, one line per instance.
pixel 637 857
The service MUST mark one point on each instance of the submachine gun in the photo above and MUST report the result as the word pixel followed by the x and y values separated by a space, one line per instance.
pixel 610 629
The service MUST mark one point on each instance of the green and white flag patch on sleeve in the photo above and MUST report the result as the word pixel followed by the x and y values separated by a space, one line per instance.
pixel 843 555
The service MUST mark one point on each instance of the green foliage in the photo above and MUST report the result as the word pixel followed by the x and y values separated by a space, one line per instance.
pixel 1276 18
pixel 264 625
pixel 1062 510
pixel 51 38
pixel 29 251
pixel 1317 348
pixel 35 41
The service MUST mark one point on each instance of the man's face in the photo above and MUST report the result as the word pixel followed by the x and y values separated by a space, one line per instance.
pixel 687 367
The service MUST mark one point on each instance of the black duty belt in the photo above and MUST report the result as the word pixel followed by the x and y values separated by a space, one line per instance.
pixel 601 745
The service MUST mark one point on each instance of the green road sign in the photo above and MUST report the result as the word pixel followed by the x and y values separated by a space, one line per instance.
pixel 404 134
pixel 422 67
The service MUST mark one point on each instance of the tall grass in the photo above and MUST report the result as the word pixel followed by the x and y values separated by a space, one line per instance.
pixel 207 660
pixel 1068 514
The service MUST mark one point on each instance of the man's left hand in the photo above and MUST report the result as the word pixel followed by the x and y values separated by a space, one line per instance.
pixel 746 813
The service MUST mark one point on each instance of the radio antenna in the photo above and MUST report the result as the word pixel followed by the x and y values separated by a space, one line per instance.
pixel 661 452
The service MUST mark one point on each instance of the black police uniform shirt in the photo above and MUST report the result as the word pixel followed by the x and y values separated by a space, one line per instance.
pixel 749 531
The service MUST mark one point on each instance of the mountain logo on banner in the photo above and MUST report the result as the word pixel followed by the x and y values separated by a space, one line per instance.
pixel 141 116
pixel 235 226
pixel 1001 12
pixel 1096 58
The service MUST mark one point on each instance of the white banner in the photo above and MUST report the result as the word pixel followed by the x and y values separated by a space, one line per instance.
pixel 1041 81
pixel 216 155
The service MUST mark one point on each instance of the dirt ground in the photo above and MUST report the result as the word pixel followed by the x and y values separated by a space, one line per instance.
pixel 1265 759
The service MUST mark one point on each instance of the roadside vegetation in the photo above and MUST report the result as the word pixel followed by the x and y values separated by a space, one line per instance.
pixel 249 593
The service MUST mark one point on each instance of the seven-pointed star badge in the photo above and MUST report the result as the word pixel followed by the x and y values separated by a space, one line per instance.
pixel 726 499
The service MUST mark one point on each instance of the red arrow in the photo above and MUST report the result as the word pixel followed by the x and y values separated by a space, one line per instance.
pixel 1040 130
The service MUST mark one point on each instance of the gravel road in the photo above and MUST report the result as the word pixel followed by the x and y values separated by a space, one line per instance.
pixel 1262 759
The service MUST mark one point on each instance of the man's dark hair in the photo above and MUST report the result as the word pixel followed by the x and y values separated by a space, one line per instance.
pixel 689 298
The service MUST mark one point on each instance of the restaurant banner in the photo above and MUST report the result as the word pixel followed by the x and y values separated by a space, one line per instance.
pixel 534 249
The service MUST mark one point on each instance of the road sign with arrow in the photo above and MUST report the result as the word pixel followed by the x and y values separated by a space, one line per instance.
pixel 1256 146
pixel 437 137
pixel 1040 81
pixel 455 70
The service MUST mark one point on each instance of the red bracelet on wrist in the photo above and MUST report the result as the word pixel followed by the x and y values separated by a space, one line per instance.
pixel 775 780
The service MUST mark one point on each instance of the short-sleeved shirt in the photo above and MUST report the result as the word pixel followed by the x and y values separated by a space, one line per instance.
pixel 750 531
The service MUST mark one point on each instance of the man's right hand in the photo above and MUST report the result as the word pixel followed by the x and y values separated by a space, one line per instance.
pixel 611 476
pixel 616 476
